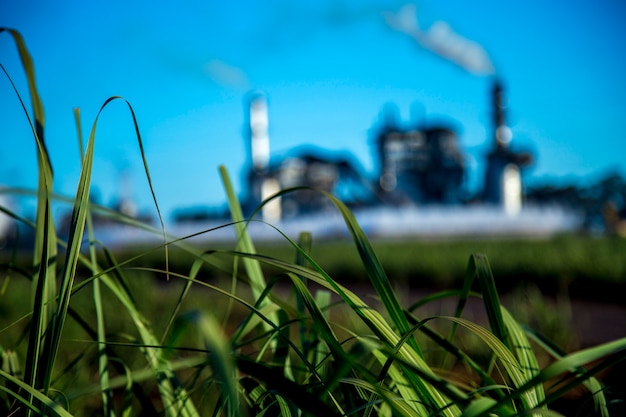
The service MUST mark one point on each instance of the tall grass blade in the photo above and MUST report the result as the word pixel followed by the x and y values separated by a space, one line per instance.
pixel 483 274
pixel 175 399
pixel 375 271
pixel 304 243
pixel 38 324
pixel 103 359
pixel 77 227
pixel 320 351
pixel 29 70
pixel 255 274
pixel 602 357
pixel 478 269
pixel 512 368
pixel 324 331
pixel 44 182
pixel 526 358
pixel 312 350
pixel 45 244
pixel 502 324
pixel 152 192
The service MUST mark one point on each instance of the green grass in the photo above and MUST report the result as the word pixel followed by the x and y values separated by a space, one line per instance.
pixel 578 266
pixel 551 263
pixel 88 332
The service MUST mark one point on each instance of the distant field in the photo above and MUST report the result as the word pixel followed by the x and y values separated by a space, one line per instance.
pixel 588 267
pixel 577 262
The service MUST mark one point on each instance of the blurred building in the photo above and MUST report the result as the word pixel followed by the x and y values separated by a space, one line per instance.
pixel 312 169
pixel 418 164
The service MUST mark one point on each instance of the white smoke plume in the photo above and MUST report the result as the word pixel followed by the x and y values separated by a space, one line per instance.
pixel 441 39
pixel 226 75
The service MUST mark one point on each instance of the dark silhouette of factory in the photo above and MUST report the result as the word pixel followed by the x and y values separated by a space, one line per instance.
pixel 417 165
pixel 420 165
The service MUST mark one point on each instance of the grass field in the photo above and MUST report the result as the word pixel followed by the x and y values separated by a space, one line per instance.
pixel 295 330
pixel 158 300
pixel 589 267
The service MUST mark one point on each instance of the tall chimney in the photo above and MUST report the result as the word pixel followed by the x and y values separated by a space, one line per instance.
pixel 502 133
pixel 259 138
pixel 503 181
pixel 261 181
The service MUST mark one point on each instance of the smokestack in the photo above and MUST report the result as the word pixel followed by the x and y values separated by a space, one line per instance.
pixel 502 133
pixel 262 182
pixel 503 181
pixel 259 138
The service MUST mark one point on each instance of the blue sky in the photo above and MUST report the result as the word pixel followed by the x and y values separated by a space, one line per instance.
pixel 328 67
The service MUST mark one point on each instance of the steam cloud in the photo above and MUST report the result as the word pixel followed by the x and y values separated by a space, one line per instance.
pixel 226 74
pixel 441 39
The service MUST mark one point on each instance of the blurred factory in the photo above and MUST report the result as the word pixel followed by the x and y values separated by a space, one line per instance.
pixel 418 166
pixel 418 188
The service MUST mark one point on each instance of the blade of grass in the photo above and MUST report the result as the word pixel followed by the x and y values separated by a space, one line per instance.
pixel 308 339
pixel 510 364
pixel 103 359
pixel 29 70
pixel 602 356
pixel 375 271
pixel 175 400
pixel 320 351
pixel 490 297
pixel 76 230
pixel 455 350
pixel 478 269
pixel 526 357
pixel 578 359
pixel 45 244
pixel 45 176
pixel 255 274
pixel 38 325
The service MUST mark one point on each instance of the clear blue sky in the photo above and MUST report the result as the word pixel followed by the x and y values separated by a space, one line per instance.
pixel 327 67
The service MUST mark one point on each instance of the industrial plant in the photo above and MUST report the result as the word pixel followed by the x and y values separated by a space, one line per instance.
pixel 418 166
pixel 417 188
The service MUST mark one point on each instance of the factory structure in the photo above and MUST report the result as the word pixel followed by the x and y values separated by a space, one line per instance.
pixel 418 166
pixel 417 189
